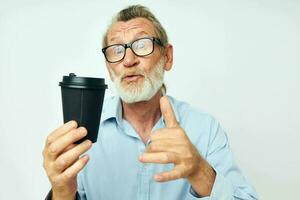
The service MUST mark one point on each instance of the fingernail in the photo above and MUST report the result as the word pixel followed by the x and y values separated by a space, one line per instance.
pixel 141 157
pixel 85 157
pixel 87 142
pixel 72 123
pixel 82 130
pixel 157 177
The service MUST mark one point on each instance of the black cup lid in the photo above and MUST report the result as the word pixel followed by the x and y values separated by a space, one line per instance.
pixel 73 81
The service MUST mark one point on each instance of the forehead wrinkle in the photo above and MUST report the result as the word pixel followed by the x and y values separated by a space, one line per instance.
pixel 135 36
pixel 122 31
pixel 122 28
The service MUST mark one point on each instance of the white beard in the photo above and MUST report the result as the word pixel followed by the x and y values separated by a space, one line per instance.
pixel 135 92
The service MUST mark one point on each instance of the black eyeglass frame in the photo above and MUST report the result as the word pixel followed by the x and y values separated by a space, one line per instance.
pixel 129 45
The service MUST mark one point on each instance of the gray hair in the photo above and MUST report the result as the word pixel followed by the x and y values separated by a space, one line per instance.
pixel 136 11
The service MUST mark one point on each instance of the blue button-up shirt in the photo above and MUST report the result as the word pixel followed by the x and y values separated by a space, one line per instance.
pixel 114 172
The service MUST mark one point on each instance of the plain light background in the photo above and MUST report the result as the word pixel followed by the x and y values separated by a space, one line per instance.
pixel 238 60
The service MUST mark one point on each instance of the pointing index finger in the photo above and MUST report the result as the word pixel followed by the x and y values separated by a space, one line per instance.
pixel 167 112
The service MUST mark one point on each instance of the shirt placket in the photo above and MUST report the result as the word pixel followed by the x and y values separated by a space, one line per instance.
pixel 146 169
pixel 144 177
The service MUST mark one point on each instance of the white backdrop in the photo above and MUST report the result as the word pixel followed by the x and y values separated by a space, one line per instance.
pixel 238 60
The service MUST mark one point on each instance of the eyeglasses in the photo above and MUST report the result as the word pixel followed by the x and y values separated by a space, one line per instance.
pixel 140 47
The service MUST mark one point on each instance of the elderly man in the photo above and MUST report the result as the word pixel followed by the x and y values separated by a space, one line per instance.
pixel 150 146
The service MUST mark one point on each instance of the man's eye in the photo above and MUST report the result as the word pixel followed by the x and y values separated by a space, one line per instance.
pixel 140 45
pixel 118 50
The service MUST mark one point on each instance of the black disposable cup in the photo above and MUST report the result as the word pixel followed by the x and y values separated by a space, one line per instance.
pixel 82 101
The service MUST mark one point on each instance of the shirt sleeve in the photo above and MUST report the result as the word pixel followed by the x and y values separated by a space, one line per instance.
pixel 49 196
pixel 230 183
pixel 222 190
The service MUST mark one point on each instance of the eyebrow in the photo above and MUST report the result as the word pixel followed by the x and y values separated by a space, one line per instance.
pixel 135 37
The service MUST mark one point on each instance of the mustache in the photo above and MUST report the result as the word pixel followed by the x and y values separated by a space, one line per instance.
pixel 134 72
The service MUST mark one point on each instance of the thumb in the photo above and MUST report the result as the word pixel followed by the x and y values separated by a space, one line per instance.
pixel 167 112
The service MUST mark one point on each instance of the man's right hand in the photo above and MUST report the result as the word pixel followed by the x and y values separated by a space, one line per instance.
pixel 62 160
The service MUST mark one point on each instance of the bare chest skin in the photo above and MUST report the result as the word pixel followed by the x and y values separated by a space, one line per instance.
pixel 143 116
pixel 144 133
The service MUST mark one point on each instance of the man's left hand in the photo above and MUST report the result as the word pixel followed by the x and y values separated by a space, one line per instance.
pixel 172 145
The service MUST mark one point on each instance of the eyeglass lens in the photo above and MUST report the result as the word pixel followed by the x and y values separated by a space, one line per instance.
pixel 140 47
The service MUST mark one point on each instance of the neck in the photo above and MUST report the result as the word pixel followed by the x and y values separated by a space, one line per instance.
pixel 143 115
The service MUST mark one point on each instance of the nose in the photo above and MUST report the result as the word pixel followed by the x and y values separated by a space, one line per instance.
pixel 130 59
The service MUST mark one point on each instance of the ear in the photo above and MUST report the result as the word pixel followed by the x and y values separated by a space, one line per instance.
pixel 169 57
pixel 108 69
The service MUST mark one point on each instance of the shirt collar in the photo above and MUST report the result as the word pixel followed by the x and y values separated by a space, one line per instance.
pixel 112 108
